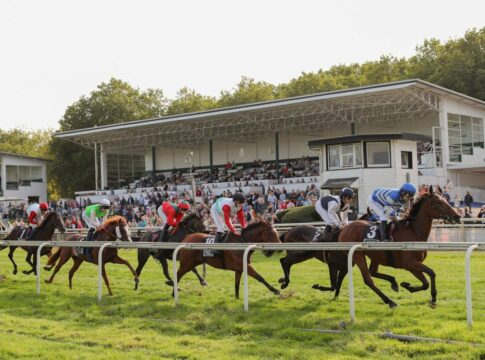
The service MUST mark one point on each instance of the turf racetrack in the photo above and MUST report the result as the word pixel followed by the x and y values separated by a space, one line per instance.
pixel 210 324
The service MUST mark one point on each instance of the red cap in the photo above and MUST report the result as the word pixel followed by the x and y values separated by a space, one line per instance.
pixel 43 206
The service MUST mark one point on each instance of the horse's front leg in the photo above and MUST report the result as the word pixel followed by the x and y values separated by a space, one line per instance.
pixel 166 273
pixel 374 268
pixel 10 256
pixel 417 269
pixel 118 260
pixel 255 275
pixel 28 259
pixel 201 279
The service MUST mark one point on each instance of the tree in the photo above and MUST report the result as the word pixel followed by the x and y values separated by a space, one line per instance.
pixel 246 92
pixel 112 102
pixel 189 100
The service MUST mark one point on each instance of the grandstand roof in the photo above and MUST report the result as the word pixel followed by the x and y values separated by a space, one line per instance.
pixel 383 103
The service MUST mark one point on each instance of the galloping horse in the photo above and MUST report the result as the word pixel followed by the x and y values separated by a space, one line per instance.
pixel 192 223
pixel 416 227
pixel 113 229
pixel 336 261
pixel 44 231
pixel 230 259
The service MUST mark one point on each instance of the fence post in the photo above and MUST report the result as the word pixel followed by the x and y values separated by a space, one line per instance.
pixel 468 281
pixel 100 270
pixel 245 274
pixel 350 257
pixel 37 265
pixel 175 280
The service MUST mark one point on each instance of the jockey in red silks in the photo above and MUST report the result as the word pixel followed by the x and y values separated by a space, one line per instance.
pixel 171 214
pixel 36 216
pixel 222 211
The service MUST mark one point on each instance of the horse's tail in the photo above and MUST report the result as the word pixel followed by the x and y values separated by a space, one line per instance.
pixel 53 258
pixel 282 236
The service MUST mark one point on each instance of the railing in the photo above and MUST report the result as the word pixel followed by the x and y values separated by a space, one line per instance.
pixel 351 247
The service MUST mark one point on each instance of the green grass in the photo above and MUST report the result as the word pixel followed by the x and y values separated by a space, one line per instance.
pixel 210 324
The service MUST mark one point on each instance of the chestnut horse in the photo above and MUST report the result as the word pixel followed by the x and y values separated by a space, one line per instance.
pixel 416 227
pixel 192 223
pixel 259 232
pixel 113 229
pixel 44 231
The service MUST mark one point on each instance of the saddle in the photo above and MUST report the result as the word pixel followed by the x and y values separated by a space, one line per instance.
pixel 373 233
pixel 328 234
pixel 210 240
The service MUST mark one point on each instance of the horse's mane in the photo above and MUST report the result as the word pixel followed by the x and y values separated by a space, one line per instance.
pixel 189 217
pixel 417 205
pixel 115 220
pixel 47 219
pixel 254 224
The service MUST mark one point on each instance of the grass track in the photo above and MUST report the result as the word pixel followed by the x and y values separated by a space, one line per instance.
pixel 210 323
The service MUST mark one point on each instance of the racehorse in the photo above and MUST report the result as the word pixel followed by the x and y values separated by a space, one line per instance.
pixel 192 223
pixel 416 227
pixel 44 231
pixel 261 232
pixel 113 229
pixel 336 261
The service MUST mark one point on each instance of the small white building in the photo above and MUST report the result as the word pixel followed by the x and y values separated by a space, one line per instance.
pixel 23 177
pixel 367 162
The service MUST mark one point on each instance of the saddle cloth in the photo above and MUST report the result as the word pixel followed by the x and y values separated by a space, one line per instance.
pixel 373 232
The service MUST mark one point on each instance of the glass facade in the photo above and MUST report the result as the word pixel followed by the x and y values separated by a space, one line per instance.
pixel 344 156
pixel 22 176
pixel 123 169
pixel 464 133
pixel 378 154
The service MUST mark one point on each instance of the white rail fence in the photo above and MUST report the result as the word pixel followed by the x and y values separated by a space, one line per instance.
pixel 468 248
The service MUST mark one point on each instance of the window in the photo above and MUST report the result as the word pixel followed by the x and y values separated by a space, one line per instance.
pixel 344 156
pixel 378 154
pixel 464 133
pixel 23 176
pixel 406 160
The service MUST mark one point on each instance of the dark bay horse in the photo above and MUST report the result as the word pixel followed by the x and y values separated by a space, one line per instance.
pixel 192 223
pixel 113 229
pixel 260 232
pixel 336 261
pixel 44 231
pixel 416 227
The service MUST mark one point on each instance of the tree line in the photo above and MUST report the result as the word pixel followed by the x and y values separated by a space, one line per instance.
pixel 457 64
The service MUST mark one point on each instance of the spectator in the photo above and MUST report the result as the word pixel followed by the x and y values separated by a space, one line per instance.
pixel 468 199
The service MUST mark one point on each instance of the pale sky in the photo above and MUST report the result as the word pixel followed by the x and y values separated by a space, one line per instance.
pixel 53 52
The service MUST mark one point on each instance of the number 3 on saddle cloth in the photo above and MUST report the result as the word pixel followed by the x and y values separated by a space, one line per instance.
pixel 373 233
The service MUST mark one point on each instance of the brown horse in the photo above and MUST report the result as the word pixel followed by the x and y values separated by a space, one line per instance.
pixel 192 223
pixel 261 232
pixel 113 229
pixel 44 231
pixel 336 261
pixel 416 227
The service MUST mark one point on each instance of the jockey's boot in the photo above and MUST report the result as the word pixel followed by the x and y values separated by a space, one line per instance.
pixel 163 234
pixel 89 237
pixel 384 234
pixel 218 240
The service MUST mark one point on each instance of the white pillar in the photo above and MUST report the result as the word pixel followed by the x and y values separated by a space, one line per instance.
pixel 96 166
pixel 103 167
pixel 443 118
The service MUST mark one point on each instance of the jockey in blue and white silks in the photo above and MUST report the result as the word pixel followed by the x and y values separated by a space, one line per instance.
pixel 386 203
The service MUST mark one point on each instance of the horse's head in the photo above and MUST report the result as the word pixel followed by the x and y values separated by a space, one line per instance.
pixel 54 220
pixel 194 223
pixel 118 228
pixel 262 232
pixel 437 207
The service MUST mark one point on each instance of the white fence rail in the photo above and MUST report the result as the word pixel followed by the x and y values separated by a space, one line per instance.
pixel 351 247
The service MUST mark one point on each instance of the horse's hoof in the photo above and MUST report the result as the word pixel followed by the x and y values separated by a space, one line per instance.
pixel 169 282
pixel 47 268
pixel 432 304
pixel 395 287
pixel 405 285
pixel 316 286
pixel 47 281
pixel 284 286
pixel 204 283
pixel 25 272
pixel 392 305
pixel 281 280
pixel 15 272
pixel 276 292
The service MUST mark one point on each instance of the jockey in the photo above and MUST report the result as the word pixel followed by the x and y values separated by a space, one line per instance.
pixel 334 209
pixel 170 215
pixel 95 215
pixel 222 211
pixel 36 214
pixel 388 203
